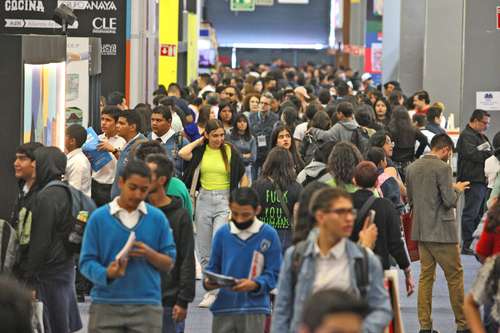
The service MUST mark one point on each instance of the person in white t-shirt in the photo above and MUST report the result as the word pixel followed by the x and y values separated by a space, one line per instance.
pixel 102 180
pixel 492 163
pixel 78 166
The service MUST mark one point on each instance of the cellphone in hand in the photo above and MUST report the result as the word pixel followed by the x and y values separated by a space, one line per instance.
pixel 371 214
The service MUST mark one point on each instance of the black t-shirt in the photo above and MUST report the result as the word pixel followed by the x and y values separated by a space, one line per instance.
pixel 272 212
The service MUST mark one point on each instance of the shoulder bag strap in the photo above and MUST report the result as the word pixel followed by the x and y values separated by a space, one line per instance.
pixel 194 181
pixel 363 211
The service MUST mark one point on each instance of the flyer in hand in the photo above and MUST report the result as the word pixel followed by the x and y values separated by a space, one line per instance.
pixel 126 249
pixel 98 158
pixel 221 280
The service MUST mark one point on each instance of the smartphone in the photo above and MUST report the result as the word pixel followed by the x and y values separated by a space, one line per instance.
pixel 371 214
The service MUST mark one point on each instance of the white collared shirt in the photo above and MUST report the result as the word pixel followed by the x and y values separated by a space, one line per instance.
pixel 332 270
pixel 165 137
pixel 247 233
pixel 129 219
pixel 107 174
pixel 78 171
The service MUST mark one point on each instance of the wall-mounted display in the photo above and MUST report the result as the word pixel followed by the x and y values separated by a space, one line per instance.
pixel 44 99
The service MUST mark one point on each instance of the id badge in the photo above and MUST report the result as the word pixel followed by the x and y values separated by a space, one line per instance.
pixel 261 141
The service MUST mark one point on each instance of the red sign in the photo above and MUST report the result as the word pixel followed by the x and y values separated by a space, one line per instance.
pixel 168 50
pixel 498 17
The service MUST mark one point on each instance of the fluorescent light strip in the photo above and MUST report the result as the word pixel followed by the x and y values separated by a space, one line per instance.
pixel 275 46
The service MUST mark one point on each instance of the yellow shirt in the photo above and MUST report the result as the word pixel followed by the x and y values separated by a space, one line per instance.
pixel 213 173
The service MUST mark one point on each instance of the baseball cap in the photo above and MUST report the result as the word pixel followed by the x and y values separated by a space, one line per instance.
pixel 302 91
pixel 365 77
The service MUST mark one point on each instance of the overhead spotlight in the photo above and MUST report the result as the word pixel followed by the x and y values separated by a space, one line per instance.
pixel 64 16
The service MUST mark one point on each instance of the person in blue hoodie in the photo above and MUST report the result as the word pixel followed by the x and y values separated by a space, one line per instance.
pixel 127 291
pixel 250 251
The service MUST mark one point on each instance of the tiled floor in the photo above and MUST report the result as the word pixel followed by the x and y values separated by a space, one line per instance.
pixel 200 320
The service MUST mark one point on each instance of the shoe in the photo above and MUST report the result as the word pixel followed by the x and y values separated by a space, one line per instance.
pixel 428 331
pixel 208 299
pixel 467 251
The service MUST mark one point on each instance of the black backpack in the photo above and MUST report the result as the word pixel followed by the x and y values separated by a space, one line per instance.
pixel 360 139
pixel 81 208
pixel 360 267
pixel 309 146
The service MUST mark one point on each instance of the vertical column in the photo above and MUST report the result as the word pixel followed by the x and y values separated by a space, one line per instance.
pixel 481 64
pixel 443 52
pixel 357 33
pixel 411 45
pixel 391 27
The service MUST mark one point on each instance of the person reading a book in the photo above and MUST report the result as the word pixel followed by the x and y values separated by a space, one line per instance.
pixel 126 275
pixel 246 253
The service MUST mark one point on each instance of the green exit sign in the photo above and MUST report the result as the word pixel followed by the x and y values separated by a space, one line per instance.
pixel 243 5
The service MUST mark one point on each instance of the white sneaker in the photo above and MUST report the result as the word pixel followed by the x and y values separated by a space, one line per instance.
pixel 208 299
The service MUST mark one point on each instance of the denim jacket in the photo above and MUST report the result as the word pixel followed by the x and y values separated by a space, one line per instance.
pixel 288 309
pixel 175 143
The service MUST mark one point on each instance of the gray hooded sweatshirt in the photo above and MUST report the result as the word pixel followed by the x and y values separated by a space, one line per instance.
pixel 341 131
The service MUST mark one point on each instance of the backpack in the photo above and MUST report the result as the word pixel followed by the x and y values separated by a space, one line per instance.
pixel 360 139
pixel 308 148
pixel 310 179
pixel 9 244
pixel 360 267
pixel 81 208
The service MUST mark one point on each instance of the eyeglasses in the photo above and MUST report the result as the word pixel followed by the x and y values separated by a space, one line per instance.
pixel 264 103
pixel 230 94
pixel 343 211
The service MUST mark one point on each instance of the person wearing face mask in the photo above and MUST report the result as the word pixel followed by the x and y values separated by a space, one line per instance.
pixel 249 251
pixel 435 228
pixel 216 168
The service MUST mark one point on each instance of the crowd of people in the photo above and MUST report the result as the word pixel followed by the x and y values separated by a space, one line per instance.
pixel 283 189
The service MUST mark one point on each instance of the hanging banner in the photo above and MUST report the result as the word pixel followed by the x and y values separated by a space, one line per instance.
pixel 373 39
pixel 77 81
pixel 105 19
pixel 192 48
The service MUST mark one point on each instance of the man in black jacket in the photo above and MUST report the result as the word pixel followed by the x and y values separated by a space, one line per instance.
pixel 389 240
pixel 178 286
pixel 45 264
pixel 473 149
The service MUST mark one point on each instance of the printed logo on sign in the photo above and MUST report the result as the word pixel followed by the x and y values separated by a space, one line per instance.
pixel 24 6
pixel 89 5
pixel 104 25
pixel 108 49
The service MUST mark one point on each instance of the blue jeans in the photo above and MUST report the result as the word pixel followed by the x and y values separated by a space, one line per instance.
pixel 472 212
pixel 212 212
pixel 169 325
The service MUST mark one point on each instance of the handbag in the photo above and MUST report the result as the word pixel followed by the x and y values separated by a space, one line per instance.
pixel 412 246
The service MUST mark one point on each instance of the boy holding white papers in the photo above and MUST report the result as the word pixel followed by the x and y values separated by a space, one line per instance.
pixel 127 293
pixel 250 251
